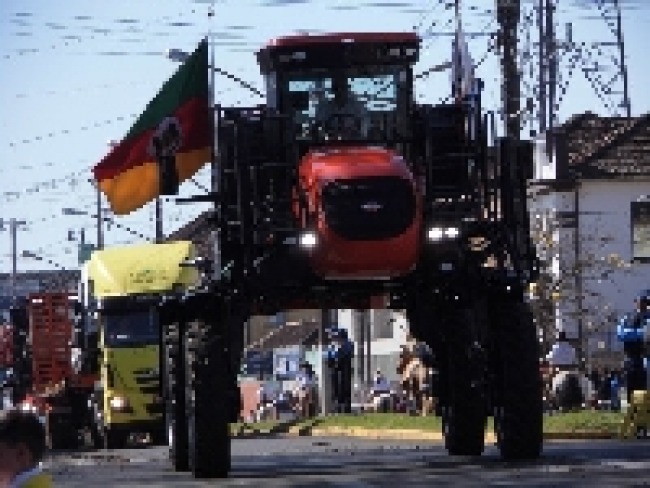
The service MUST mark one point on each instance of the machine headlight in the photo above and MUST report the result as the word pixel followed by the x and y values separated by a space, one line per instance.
pixel 452 232
pixel 436 234
pixel 308 240
pixel 119 403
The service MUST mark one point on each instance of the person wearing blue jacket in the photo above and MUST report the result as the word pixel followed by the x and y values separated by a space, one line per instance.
pixel 632 330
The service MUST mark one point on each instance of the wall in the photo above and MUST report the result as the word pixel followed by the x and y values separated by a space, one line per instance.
pixel 600 285
pixel 610 278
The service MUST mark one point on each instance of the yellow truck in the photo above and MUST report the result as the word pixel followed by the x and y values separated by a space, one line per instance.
pixel 120 290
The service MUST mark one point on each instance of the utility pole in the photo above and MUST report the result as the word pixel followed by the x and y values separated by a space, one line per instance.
pixel 508 17
pixel 622 64
pixel 325 387
pixel 368 320
pixel 541 67
pixel 551 61
pixel 359 336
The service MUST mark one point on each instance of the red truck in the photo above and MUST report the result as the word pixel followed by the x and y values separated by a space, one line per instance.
pixel 45 380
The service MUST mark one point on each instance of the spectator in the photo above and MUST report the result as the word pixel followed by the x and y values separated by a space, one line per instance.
pixel 22 447
pixel 380 393
pixel 631 330
pixel 605 389
pixel 615 391
pixel 305 393
pixel 266 399
pixel 562 355
pixel 570 388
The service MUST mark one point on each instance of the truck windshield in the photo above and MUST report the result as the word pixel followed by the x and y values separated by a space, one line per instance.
pixel 355 104
pixel 131 329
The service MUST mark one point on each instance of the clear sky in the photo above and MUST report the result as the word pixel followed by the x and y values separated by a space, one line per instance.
pixel 75 73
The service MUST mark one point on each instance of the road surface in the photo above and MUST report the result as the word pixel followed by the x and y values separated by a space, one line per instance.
pixel 348 462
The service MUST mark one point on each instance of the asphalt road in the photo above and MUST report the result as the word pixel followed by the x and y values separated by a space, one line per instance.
pixel 348 462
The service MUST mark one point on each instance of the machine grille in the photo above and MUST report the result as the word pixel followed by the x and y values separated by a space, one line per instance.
pixel 372 208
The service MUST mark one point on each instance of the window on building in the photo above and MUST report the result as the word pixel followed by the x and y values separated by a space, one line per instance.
pixel 640 214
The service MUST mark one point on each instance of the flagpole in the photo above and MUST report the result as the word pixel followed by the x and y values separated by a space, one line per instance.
pixel 213 160
pixel 159 221
pixel 214 171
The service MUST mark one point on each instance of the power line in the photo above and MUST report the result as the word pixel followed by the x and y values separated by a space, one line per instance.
pixel 68 131
pixel 156 22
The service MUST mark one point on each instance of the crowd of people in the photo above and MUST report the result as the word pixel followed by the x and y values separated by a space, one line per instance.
pixel 567 387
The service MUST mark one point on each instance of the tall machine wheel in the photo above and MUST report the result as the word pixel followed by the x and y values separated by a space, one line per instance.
pixel 174 384
pixel 464 412
pixel 518 411
pixel 208 412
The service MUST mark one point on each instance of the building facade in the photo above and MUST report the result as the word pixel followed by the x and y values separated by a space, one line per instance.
pixel 591 223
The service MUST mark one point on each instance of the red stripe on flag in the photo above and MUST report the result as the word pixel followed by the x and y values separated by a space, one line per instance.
pixel 194 117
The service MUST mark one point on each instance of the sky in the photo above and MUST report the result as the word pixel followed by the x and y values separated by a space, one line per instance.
pixel 74 75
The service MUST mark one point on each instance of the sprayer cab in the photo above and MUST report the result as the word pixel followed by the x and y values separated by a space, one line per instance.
pixel 342 87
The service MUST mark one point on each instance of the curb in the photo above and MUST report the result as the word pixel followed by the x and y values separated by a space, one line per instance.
pixel 419 435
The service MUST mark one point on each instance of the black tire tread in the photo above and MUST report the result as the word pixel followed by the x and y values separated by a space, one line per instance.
pixel 465 429
pixel 520 425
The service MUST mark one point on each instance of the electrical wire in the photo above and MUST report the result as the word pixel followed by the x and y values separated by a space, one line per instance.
pixel 121 118
pixel 156 22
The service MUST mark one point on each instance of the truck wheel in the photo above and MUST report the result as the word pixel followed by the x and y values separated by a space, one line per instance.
pixel 175 430
pixel 518 415
pixel 464 413
pixel 114 439
pixel 208 414
pixel 60 434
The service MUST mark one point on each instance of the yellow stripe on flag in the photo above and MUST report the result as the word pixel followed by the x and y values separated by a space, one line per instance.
pixel 137 186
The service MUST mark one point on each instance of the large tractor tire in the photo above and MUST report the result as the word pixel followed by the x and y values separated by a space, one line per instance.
pixel 518 409
pixel 208 411
pixel 464 412
pixel 173 376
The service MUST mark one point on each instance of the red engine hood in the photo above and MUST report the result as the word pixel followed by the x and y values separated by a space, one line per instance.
pixel 350 162
pixel 373 231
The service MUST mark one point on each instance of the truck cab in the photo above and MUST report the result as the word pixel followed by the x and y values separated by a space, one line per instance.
pixel 122 287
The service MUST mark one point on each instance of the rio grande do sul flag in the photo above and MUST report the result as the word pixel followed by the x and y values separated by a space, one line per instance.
pixel 129 174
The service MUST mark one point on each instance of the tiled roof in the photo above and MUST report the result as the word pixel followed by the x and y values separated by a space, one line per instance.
pixel 606 147
pixel 289 334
